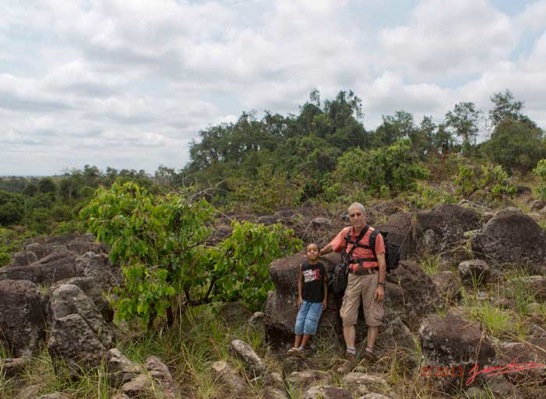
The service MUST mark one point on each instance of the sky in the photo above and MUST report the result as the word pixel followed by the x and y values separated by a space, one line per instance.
pixel 129 84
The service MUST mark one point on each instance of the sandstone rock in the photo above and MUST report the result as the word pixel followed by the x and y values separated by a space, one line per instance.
pixel 22 317
pixel 512 238
pixel 454 341
pixel 474 272
pixel 254 365
pixel 229 377
pixel 79 335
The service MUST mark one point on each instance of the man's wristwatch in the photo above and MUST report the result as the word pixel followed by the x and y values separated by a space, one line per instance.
pixel 380 283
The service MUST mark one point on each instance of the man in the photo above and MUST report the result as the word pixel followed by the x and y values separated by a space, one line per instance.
pixel 366 282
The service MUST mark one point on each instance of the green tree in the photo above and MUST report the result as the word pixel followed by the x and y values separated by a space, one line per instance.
pixel 394 128
pixel 269 190
pixel 507 107
pixel 241 270
pixel 161 243
pixel 464 121
pixel 11 208
pixel 515 145
pixel 385 170
pixel 46 185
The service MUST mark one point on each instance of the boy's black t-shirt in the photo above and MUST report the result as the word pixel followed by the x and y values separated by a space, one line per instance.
pixel 313 282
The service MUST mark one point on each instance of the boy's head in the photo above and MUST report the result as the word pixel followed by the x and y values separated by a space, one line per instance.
pixel 312 252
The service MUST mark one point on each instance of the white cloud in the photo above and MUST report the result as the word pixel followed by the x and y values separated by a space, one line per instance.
pixel 448 39
pixel 129 84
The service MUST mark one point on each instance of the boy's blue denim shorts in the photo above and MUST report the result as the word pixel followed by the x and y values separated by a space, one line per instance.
pixel 308 318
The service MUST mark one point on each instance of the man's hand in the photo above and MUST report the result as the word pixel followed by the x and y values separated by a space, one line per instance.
pixel 379 293
pixel 324 304
pixel 300 302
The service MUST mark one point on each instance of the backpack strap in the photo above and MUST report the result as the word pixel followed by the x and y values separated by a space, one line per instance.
pixel 371 243
pixel 355 243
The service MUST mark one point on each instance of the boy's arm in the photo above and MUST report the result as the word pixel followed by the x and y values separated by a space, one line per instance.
pixel 300 286
pixel 325 288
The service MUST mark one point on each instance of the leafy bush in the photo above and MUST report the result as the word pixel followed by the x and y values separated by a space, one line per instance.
pixel 158 240
pixel 428 196
pixel 268 191
pixel 382 171
pixel 161 244
pixel 491 181
pixel 242 261
pixel 540 171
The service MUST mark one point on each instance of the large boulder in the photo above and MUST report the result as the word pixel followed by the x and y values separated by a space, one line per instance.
pixel 411 295
pixel 511 237
pixel 454 341
pixel 79 334
pixel 22 317
pixel 399 230
pixel 54 267
pixel 281 306
pixel 442 230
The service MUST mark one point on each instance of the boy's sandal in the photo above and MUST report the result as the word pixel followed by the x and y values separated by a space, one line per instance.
pixel 295 351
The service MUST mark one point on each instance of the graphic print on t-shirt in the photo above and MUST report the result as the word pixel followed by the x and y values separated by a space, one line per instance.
pixel 311 275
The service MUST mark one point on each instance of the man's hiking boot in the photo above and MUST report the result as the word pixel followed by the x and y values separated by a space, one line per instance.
pixel 370 356
pixel 348 364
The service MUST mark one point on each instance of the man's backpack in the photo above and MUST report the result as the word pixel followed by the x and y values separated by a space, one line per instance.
pixel 392 251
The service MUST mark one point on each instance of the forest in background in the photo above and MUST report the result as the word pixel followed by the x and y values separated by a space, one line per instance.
pixel 323 154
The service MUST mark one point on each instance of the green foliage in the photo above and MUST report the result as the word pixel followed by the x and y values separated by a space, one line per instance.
pixel 268 191
pixel 427 196
pixel 515 145
pixel 498 322
pixel 497 182
pixel 540 171
pixel 381 171
pixel 11 241
pixel 11 208
pixel 506 107
pixel 160 242
pixel 464 121
pixel 491 181
pixel 242 261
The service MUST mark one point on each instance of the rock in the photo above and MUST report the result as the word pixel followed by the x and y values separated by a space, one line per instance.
pixel 160 372
pixel 512 238
pixel 474 272
pixel 453 341
pixel 79 335
pixel 229 377
pixel 327 392
pixel 411 294
pixel 13 367
pixel 55 267
pixel 140 387
pixel 362 384
pixel 447 285
pixel 54 395
pixel 302 380
pixel 24 258
pixel 120 368
pixel 441 230
pixel 22 317
pixel 254 365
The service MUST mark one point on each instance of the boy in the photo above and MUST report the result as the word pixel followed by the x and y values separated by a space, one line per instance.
pixel 312 298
